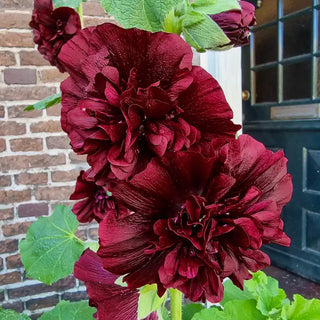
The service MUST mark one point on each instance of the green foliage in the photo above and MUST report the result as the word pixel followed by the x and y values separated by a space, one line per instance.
pixel 301 309
pixel 143 14
pixel 67 3
pixel 6 314
pixel 149 301
pixel 51 247
pixel 66 310
pixel 215 6
pixel 45 103
pixel 189 310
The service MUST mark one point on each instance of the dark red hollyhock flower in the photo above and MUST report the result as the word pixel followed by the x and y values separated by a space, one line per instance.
pixel 197 220
pixel 236 23
pixel 95 201
pixel 133 94
pixel 112 301
pixel 53 28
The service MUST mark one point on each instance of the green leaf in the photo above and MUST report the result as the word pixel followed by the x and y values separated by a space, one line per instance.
pixel 142 14
pixel 94 246
pixel 66 3
pixel 233 310
pixel 6 314
pixel 232 292
pixel 189 310
pixel 51 247
pixel 45 103
pixel 149 300
pixel 66 310
pixel 302 309
pixel 205 34
pixel 215 6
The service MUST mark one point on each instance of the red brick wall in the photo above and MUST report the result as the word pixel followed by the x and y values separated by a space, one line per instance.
pixel 37 167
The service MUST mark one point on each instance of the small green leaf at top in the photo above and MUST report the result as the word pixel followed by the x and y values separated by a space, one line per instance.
pixel 189 310
pixel 215 6
pixel 51 247
pixel 149 300
pixel 67 3
pixel 301 309
pixel 6 314
pixel 143 14
pixel 45 103
pixel 66 310
pixel 232 292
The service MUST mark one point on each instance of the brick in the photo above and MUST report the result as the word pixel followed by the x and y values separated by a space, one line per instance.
pixel 9 20
pixel 18 112
pixel 16 4
pixel 12 196
pixel 5 181
pixel 6 214
pixel 54 111
pixel 16 93
pixel 36 316
pixel 77 158
pixel 16 39
pixel 31 178
pixel 46 126
pixel 2 145
pixel 52 75
pixel 27 162
pixel 93 9
pixel 61 176
pixel 1 295
pixel 33 210
pixel 15 229
pixel 14 261
pixel 75 296
pixel 93 234
pixel 20 76
pixel 1 263
pixel 7 58
pixel 26 144
pixel 16 306
pixel 40 303
pixel 9 245
pixel 60 285
pixel 32 58
pixel 2 112
pixel 11 277
pixel 58 142
pixel 94 21
pixel 53 193
pixel 8 128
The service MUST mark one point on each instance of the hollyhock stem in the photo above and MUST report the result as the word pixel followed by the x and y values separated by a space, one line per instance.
pixel 80 12
pixel 176 304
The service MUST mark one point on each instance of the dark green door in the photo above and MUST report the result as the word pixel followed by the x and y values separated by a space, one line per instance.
pixel 281 74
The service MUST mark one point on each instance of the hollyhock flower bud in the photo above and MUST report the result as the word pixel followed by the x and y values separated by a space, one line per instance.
pixel 133 95
pixel 95 202
pixel 112 301
pixel 53 28
pixel 197 220
pixel 236 23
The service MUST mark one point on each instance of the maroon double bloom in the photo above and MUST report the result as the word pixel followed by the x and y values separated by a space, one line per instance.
pixel 133 95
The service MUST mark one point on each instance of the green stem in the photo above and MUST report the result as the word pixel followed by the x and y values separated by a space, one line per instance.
pixel 176 304
pixel 80 12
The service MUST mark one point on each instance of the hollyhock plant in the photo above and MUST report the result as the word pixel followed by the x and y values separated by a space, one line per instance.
pixel 236 23
pixel 53 28
pixel 195 221
pixel 133 95
pixel 104 294
pixel 95 202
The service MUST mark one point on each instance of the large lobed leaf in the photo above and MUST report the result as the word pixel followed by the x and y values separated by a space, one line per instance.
pixel 143 14
pixel 65 310
pixel 51 248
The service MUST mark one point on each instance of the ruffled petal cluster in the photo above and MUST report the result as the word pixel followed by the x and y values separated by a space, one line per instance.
pixel 236 23
pixel 196 220
pixel 53 28
pixel 133 95
pixel 112 301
